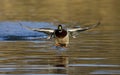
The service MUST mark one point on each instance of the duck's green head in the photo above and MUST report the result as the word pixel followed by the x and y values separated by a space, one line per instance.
pixel 60 27
pixel 60 32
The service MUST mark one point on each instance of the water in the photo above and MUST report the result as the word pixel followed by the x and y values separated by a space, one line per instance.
pixel 93 52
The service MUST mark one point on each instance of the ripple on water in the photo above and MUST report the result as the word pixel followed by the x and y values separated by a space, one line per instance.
pixel 106 72
pixel 93 65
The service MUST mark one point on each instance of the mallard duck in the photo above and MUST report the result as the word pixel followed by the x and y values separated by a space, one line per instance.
pixel 60 34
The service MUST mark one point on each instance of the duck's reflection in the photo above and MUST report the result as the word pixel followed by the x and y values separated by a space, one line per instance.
pixel 55 65
pixel 61 65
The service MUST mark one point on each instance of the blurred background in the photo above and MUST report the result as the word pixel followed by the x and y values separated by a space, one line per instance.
pixel 106 11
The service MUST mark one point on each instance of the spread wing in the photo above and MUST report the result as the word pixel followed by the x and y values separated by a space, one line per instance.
pixel 47 31
pixel 73 31
pixel 44 30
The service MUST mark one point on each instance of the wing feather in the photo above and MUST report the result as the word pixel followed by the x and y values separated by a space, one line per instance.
pixel 83 29
pixel 44 30
pixel 73 32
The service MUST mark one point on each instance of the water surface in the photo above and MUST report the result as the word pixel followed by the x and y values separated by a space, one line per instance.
pixel 93 52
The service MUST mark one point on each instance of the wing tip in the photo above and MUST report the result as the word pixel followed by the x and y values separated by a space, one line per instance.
pixel 27 27
pixel 98 23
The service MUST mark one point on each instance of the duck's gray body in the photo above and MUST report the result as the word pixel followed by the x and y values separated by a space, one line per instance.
pixel 62 41
pixel 60 34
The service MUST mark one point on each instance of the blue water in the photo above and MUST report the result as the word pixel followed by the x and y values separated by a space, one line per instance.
pixel 13 30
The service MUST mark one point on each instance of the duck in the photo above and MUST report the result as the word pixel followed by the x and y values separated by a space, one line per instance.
pixel 61 35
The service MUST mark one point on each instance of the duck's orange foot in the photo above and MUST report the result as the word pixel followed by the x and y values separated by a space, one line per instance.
pixel 57 44
pixel 61 45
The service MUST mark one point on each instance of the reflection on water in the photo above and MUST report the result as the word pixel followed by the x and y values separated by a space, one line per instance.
pixel 106 72
pixel 25 58
pixel 25 52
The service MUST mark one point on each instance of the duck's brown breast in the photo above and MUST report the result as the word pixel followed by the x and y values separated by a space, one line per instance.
pixel 61 34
